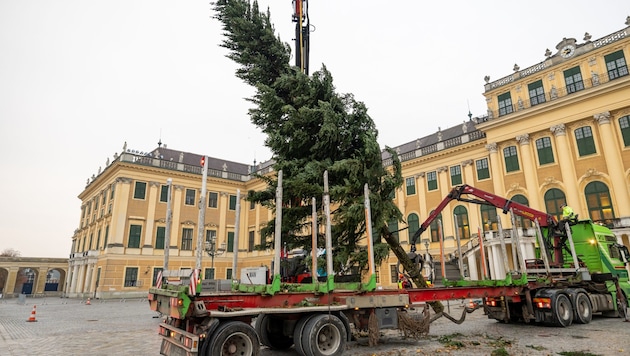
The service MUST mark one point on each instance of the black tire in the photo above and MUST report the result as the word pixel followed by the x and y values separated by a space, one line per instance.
pixel 299 331
pixel 234 338
pixel 324 335
pixel 583 309
pixel 562 311
pixel 269 329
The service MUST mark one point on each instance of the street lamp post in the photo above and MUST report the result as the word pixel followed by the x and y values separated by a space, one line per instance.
pixel 212 251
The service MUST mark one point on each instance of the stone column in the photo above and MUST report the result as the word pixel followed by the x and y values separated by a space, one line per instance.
pixel 74 277
pixel 614 163
pixel 474 218
pixel 529 169
pixel 472 267
pixel 176 226
pixel 119 215
pixel 447 214
pixel 498 183
pixel 154 193
pixel 567 168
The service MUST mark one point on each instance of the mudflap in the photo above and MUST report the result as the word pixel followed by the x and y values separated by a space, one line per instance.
pixel 170 349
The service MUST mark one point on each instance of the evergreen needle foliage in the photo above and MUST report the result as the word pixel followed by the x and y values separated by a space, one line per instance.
pixel 310 128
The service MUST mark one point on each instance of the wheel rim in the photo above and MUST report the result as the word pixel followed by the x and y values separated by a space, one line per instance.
pixel 328 339
pixel 237 344
pixel 583 307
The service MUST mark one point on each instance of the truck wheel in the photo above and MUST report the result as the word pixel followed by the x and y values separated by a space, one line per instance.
pixel 324 335
pixel 299 331
pixel 234 338
pixel 583 309
pixel 562 311
pixel 270 331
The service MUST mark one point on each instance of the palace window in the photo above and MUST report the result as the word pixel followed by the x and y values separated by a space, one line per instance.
pixel 482 169
pixel 545 152
pixel 432 180
pixel 160 237
pixel 554 198
pixel 456 175
pixel 511 159
pixel 187 239
pixel 156 271
pixel 489 217
pixel 505 104
pixel 213 200
pixel 616 65
pixel 131 276
pixel 232 202
pixel 230 241
pixel 251 242
pixel 411 185
pixel 584 139
pixel 521 221
pixel 437 228
pixel 414 224
pixel 598 201
pixel 463 226
pixel 624 125
pixel 536 93
pixel 164 193
pixel 573 80
pixel 135 231
pixel 140 190
pixel 190 197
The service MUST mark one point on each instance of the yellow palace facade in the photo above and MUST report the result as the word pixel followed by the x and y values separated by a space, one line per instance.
pixel 555 132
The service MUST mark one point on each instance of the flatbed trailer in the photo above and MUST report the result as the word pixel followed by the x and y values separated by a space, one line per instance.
pixel 316 318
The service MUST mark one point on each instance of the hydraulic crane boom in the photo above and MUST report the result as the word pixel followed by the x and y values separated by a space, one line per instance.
pixel 302 39
pixel 462 193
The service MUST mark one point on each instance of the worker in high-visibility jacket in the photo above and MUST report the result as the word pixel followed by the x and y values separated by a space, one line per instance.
pixel 567 213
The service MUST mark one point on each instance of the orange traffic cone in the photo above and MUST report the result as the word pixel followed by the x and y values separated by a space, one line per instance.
pixel 88 302
pixel 32 317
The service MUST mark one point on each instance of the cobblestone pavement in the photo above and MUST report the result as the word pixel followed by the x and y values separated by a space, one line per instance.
pixel 69 327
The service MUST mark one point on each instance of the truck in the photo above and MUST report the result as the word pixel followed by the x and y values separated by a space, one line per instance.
pixel 579 270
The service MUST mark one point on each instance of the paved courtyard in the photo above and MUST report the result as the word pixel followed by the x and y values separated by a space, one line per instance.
pixel 115 327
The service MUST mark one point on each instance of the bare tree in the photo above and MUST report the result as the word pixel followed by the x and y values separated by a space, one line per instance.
pixel 9 252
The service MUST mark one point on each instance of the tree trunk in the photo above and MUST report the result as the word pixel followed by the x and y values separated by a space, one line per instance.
pixel 411 268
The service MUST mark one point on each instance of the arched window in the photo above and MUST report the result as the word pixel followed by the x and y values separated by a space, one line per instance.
pixel 414 224
pixel 435 237
pixel 521 221
pixel 489 217
pixel 461 216
pixel 392 225
pixel 598 202
pixel 554 198
pixel 624 125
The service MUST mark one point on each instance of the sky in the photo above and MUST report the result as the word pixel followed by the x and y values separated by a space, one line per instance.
pixel 79 78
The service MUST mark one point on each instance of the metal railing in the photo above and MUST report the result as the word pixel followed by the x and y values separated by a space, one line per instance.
pixel 555 93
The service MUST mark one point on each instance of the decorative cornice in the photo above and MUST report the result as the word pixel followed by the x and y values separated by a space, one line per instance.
pixel 123 180
pixel 179 187
pixel 224 194
pixel 154 184
pixel 188 222
pixel 602 118
pixel 549 181
pixel 421 174
pixel 558 130
pixel 442 169
pixel 492 147
pixel 592 172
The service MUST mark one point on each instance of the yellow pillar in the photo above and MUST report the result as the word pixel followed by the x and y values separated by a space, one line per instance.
pixel 614 163
pixel 468 172
pixel 447 213
pixel 176 227
pixel 154 193
pixel 567 168
pixel 529 169
pixel 498 183
pixel 119 214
